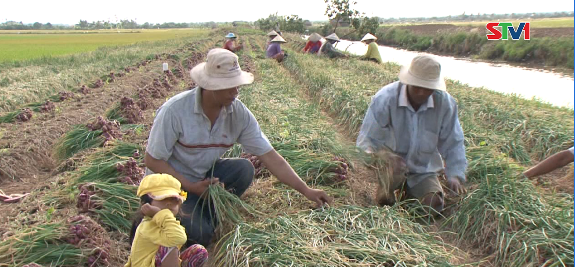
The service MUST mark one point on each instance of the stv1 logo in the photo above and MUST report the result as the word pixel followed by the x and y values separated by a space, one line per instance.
pixel 505 28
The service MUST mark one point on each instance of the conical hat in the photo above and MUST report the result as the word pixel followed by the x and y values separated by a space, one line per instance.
pixel 278 39
pixel 332 36
pixel 368 36
pixel 314 37
pixel 272 33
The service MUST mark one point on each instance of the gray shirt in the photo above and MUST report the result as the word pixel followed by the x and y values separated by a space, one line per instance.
pixel 423 137
pixel 183 136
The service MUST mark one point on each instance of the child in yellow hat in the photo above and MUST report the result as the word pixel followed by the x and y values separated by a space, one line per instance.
pixel 157 236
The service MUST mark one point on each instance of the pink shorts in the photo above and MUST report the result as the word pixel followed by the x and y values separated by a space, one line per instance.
pixel 194 256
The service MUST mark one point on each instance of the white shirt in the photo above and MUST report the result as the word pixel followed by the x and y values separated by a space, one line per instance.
pixel 183 135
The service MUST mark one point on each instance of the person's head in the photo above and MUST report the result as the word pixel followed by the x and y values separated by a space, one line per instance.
pixel 422 77
pixel 159 190
pixel 220 76
pixel 278 39
pixel 332 38
pixel 163 190
pixel 231 36
pixel 368 38
pixel 314 37
pixel 272 34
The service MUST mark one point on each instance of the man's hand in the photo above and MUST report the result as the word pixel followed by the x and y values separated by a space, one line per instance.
pixel 455 185
pixel 149 210
pixel 200 188
pixel 318 196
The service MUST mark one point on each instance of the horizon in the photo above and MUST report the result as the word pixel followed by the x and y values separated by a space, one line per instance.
pixel 317 21
pixel 68 12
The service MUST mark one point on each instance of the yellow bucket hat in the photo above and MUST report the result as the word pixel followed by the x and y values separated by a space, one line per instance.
pixel 161 186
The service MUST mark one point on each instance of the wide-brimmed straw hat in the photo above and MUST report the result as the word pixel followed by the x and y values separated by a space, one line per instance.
pixel 220 71
pixel 231 35
pixel 314 37
pixel 368 36
pixel 278 39
pixel 424 71
pixel 161 186
pixel 272 33
pixel 332 36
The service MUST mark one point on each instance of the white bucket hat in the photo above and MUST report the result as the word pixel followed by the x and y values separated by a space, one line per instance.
pixel 314 37
pixel 278 39
pixel 332 36
pixel 368 36
pixel 272 33
pixel 424 71
pixel 220 71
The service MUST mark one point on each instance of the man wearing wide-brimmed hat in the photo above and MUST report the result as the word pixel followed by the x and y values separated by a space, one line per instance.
pixel 313 44
pixel 193 129
pixel 328 49
pixel 230 43
pixel 372 50
pixel 275 50
pixel 417 119
pixel 271 35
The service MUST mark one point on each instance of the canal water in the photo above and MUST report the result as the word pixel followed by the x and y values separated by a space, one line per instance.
pixel 545 86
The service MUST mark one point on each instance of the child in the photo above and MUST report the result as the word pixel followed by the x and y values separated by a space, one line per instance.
pixel 157 236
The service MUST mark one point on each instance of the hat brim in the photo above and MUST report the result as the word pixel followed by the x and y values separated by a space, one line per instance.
pixel 314 37
pixel 368 38
pixel 163 194
pixel 406 77
pixel 200 77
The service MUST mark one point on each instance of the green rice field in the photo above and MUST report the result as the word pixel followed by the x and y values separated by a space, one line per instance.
pixel 24 45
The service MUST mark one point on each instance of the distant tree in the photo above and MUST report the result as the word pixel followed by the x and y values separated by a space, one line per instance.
pixel 366 25
pixel 268 23
pixel 292 23
pixel 37 26
pixel 339 10
pixel 48 26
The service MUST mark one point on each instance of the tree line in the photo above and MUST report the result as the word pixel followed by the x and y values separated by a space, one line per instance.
pixel 99 25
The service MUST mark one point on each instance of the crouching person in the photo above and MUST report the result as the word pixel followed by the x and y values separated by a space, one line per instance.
pixel 416 119
pixel 156 235
pixel 274 49
pixel 193 130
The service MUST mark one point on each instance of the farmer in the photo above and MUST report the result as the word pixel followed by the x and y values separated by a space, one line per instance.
pixel 328 49
pixel 372 51
pixel 313 44
pixel 551 163
pixel 230 43
pixel 271 35
pixel 417 120
pixel 193 129
pixel 274 49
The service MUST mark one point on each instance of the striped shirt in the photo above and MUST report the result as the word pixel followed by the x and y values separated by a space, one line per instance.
pixel 183 135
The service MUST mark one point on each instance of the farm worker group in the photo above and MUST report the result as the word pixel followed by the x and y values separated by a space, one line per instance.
pixel 190 134
pixel 314 45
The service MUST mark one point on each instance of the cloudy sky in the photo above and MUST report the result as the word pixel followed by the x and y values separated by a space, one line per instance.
pixel 154 11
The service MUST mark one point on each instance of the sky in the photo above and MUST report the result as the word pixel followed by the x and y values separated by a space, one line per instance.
pixel 72 11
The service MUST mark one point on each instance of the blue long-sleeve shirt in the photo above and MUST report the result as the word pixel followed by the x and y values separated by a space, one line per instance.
pixel 423 137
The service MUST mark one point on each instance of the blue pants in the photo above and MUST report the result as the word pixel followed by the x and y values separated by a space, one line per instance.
pixel 237 175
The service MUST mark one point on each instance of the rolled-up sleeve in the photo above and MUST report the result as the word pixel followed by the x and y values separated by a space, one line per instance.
pixel 171 233
pixel 371 134
pixel 164 135
pixel 252 139
pixel 451 143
